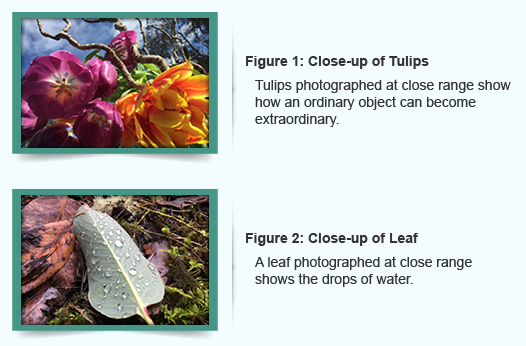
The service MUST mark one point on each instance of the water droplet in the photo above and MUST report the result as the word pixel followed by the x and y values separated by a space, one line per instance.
pixel 107 288
pixel 102 232
pixel 118 280
pixel 127 254
pixel 119 306
pixel 151 266
pixel 99 268
pixel 132 271
pixel 94 250
pixel 118 243
pixel 118 231
pixel 138 290
pixel 137 285
pixel 149 297
pixel 82 234
pixel 134 263
pixel 125 295
pixel 109 273
pixel 146 283
pixel 116 294
pixel 137 258
pixel 140 276
pixel 117 258
pixel 110 234
pixel 100 306
pixel 94 260
pixel 94 225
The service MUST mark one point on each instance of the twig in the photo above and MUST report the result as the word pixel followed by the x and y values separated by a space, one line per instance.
pixel 144 38
pixel 119 25
pixel 170 217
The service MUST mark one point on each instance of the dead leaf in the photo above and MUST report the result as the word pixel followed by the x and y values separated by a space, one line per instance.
pixel 46 209
pixel 47 238
pixel 185 201
pixel 46 252
pixel 159 257
pixel 36 308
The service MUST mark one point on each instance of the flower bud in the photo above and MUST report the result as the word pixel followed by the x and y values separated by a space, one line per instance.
pixel 121 45
pixel 105 75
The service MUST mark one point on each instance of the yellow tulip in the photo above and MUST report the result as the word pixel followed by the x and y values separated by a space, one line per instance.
pixel 169 113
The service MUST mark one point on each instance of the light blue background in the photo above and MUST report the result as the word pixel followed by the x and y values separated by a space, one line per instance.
pixel 455 176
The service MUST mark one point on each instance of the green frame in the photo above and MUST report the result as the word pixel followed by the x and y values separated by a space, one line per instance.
pixel 213 259
pixel 213 75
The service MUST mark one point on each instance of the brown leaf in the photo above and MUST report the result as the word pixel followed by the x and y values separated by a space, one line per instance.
pixel 184 201
pixel 159 257
pixel 45 250
pixel 36 308
pixel 48 209
pixel 47 238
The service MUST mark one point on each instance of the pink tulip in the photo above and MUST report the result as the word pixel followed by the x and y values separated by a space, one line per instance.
pixel 31 124
pixel 121 45
pixel 105 75
pixel 57 86
pixel 55 136
pixel 99 125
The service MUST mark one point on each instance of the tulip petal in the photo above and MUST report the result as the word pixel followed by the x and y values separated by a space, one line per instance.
pixel 201 104
pixel 166 119
pixel 177 73
pixel 196 86
pixel 173 100
pixel 162 137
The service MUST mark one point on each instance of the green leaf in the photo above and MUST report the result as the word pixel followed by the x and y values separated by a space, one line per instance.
pixel 154 68
pixel 122 282
pixel 91 55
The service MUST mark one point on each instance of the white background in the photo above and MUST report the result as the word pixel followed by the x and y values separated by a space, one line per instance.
pixel 455 176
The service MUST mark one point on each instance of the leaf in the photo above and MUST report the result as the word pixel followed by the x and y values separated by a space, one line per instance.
pixel 91 55
pixel 122 282
pixel 47 238
pixel 49 249
pixel 160 257
pixel 36 308
pixel 184 201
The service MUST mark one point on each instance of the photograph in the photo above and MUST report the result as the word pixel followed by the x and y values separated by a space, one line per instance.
pixel 115 85
pixel 93 261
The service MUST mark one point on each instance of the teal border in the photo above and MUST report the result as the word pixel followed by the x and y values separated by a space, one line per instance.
pixel 213 80
pixel 213 258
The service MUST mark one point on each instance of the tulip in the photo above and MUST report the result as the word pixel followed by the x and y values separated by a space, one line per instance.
pixel 57 86
pixel 55 136
pixel 31 124
pixel 106 76
pixel 99 125
pixel 170 113
pixel 121 45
